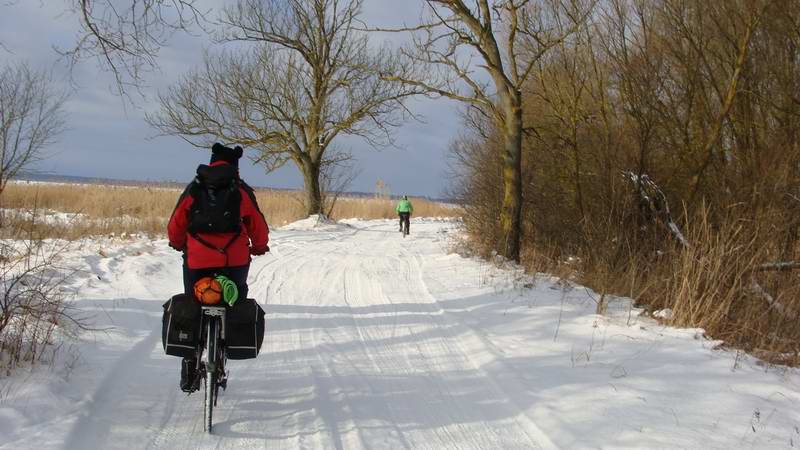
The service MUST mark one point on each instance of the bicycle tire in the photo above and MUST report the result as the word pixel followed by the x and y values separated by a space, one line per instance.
pixel 220 370
pixel 210 380
pixel 208 410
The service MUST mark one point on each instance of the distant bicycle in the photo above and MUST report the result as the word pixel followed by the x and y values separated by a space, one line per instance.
pixel 404 209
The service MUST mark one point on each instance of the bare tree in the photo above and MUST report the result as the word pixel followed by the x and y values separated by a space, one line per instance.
pixel 126 36
pixel 309 77
pixel 335 177
pixel 31 117
pixel 505 39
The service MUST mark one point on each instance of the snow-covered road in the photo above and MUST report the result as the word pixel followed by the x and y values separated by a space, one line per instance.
pixel 375 341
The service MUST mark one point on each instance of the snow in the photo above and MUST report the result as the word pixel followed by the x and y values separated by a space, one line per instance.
pixel 44 216
pixel 663 314
pixel 52 217
pixel 315 222
pixel 376 341
pixel 164 186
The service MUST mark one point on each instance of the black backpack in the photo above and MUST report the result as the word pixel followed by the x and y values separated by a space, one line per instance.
pixel 216 205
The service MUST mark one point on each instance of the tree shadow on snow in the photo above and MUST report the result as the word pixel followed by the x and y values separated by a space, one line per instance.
pixel 393 369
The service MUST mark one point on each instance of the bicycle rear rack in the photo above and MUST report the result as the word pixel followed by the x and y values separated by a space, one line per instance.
pixel 216 311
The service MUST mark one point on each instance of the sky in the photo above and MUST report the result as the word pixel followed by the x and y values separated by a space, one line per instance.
pixel 108 137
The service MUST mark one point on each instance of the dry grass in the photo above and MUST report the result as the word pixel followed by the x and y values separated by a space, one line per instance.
pixel 104 209
pixel 381 208
pixel 714 284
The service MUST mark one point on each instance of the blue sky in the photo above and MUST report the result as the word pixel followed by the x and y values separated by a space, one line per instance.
pixel 109 138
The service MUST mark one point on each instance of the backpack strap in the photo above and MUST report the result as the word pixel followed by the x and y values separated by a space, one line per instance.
pixel 194 189
pixel 187 191
pixel 223 249
pixel 251 194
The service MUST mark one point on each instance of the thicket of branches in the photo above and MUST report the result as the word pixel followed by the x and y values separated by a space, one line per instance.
pixel 663 152
pixel 32 306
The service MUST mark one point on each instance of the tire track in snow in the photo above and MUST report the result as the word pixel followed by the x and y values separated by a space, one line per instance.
pixel 377 353
pixel 362 339
pixel 535 433
pixel 358 354
pixel 94 425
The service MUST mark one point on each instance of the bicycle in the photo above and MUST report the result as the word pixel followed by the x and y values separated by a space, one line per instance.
pixel 404 224
pixel 212 365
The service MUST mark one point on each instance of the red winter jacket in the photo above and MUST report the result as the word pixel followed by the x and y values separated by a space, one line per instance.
pixel 253 236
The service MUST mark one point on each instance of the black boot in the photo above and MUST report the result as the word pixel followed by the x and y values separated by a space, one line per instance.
pixel 188 374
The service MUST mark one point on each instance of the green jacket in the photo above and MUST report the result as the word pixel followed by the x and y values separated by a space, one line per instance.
pixel 404 206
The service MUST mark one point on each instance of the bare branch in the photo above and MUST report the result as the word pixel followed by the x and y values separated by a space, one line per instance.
pixel 126 38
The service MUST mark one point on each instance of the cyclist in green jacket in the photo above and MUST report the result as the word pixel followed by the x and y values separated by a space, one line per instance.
pixel 404 210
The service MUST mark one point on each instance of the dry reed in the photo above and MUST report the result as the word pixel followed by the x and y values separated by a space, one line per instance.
pixel 77 210
pixel 714 284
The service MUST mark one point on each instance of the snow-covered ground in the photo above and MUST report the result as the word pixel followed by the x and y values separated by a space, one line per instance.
pixel 61 219
pixel 375 341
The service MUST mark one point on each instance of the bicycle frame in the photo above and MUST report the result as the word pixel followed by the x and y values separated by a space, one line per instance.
pixel 404 225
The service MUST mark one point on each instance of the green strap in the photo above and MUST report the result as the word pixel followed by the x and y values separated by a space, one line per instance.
pixel 230 293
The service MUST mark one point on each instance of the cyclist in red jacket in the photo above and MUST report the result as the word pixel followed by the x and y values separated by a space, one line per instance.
pixel 218 226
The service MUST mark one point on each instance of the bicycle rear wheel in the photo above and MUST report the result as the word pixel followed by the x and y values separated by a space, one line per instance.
pixel 210 379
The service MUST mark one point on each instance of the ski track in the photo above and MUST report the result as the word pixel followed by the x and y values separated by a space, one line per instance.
pixel 333 373
pixel 362 350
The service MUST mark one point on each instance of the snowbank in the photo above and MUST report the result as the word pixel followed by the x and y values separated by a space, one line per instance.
pixel 314 222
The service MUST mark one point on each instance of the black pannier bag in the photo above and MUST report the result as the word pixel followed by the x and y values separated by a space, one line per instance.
pixel 181 326
pixel 244 329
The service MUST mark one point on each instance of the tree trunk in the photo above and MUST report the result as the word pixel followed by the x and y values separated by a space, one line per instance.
pixel 578 189
pixel 313 191
pixel 511 212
